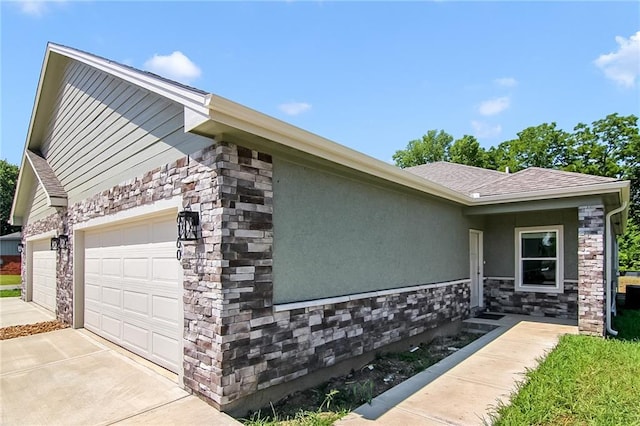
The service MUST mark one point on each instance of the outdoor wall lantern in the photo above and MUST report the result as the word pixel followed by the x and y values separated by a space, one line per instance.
pixel 60 242
pixel 20 248
pixel 188 225
pixel 63 242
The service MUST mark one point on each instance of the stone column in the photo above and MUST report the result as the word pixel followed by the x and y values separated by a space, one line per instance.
pixel 591 276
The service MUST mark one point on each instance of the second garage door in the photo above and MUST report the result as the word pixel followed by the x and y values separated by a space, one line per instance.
pixel 44 275
pixel 133 288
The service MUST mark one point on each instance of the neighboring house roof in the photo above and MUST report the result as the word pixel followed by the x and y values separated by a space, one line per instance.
pixel 213 116
pixel 16 236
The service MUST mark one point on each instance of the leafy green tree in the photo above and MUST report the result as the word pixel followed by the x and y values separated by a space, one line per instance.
pixel 608 147
pixel 467 150
pixel 8 178
pixel 434 146
pixel 539 146
pixel 629 247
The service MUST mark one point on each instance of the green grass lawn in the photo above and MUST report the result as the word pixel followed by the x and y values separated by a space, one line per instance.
pixel 10 293
pixel 584 381
pixel 10 279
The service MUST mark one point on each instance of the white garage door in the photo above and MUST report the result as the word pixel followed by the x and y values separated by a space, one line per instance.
pixel 133 288
pixel 44 275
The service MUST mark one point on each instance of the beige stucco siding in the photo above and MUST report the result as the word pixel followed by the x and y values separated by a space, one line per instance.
pixel 104 131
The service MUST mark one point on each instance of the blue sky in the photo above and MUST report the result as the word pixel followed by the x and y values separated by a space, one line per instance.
pixel 371 76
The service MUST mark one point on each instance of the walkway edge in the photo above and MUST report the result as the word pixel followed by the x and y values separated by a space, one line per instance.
pixel 392 397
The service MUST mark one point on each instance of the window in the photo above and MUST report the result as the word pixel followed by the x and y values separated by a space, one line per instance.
pixel 539 259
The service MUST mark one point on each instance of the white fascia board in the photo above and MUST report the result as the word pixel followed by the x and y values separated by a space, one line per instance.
pixel 621 187
pixel 234 115
pixel 13 220
pixel 179 94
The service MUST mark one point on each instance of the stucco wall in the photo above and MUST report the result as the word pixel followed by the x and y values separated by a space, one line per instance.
pixel 499 240
pixel 337 236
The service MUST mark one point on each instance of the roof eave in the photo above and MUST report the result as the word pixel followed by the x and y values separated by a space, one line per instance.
pixel 621 187
pixel 231 114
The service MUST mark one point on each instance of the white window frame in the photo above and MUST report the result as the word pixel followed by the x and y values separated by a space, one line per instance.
pixel 559 287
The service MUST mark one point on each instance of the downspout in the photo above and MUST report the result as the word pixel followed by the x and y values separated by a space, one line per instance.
pixel 608 257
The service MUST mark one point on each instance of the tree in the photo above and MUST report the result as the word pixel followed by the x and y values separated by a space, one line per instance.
pixel 467 150
pixel 539 146
pixel 434 146
pixel 8 178
pixel 629 247
pixel 609 147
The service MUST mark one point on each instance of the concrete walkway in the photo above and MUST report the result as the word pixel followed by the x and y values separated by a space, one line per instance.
pixel 13 311
pixel 73 377
pixel 464 388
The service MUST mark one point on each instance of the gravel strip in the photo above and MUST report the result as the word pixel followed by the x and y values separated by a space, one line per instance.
pixel 29 329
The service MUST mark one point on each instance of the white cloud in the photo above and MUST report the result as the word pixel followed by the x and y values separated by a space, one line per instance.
pixel 294 108
pixel 36 8
pixel 506 82
pixel 175 66
pixel 494 106
pixel 485 130
pixel 623 65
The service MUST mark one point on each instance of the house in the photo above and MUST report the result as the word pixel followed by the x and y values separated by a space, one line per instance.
pixel 10 253
pixel 309 257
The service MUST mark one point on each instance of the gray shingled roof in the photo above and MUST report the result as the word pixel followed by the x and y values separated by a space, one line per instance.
pixel 52 185
pixel 473 180
pixel 454 176
pixel 538 179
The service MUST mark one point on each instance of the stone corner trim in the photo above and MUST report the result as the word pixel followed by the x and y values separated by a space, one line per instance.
pixel 591 297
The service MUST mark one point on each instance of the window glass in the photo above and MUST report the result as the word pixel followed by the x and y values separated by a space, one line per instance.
pixel 538 244
pixel 539 272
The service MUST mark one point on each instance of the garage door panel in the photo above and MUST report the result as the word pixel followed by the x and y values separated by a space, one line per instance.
pixel 136 302
pixel 138 337
pixel 162 270
pixel 164 346
pixel 164 308
pixel 136 235
pixel 136 268
pixel 110 326
pixel 91 319
pixel 140 284
pixel 111 267
pixel 111 296
pixel 43 274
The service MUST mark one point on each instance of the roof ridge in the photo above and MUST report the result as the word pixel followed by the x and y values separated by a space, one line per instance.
pixel 567 172
pixel 132 68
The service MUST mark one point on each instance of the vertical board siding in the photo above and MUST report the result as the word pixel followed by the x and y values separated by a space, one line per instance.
pixel 104 131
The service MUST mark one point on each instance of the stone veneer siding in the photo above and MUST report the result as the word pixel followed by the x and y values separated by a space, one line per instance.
pixel 235 342
pixel 500 296
pixel 64 262
pixel 591 257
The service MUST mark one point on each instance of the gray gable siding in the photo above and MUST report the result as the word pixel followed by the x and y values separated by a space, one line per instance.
pixel 104 131
pixel 39 208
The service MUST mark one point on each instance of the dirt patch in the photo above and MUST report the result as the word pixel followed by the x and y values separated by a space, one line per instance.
pixel 29 329
pixel 361 386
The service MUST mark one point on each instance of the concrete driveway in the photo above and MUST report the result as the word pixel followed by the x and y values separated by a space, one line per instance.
pixel 73 377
